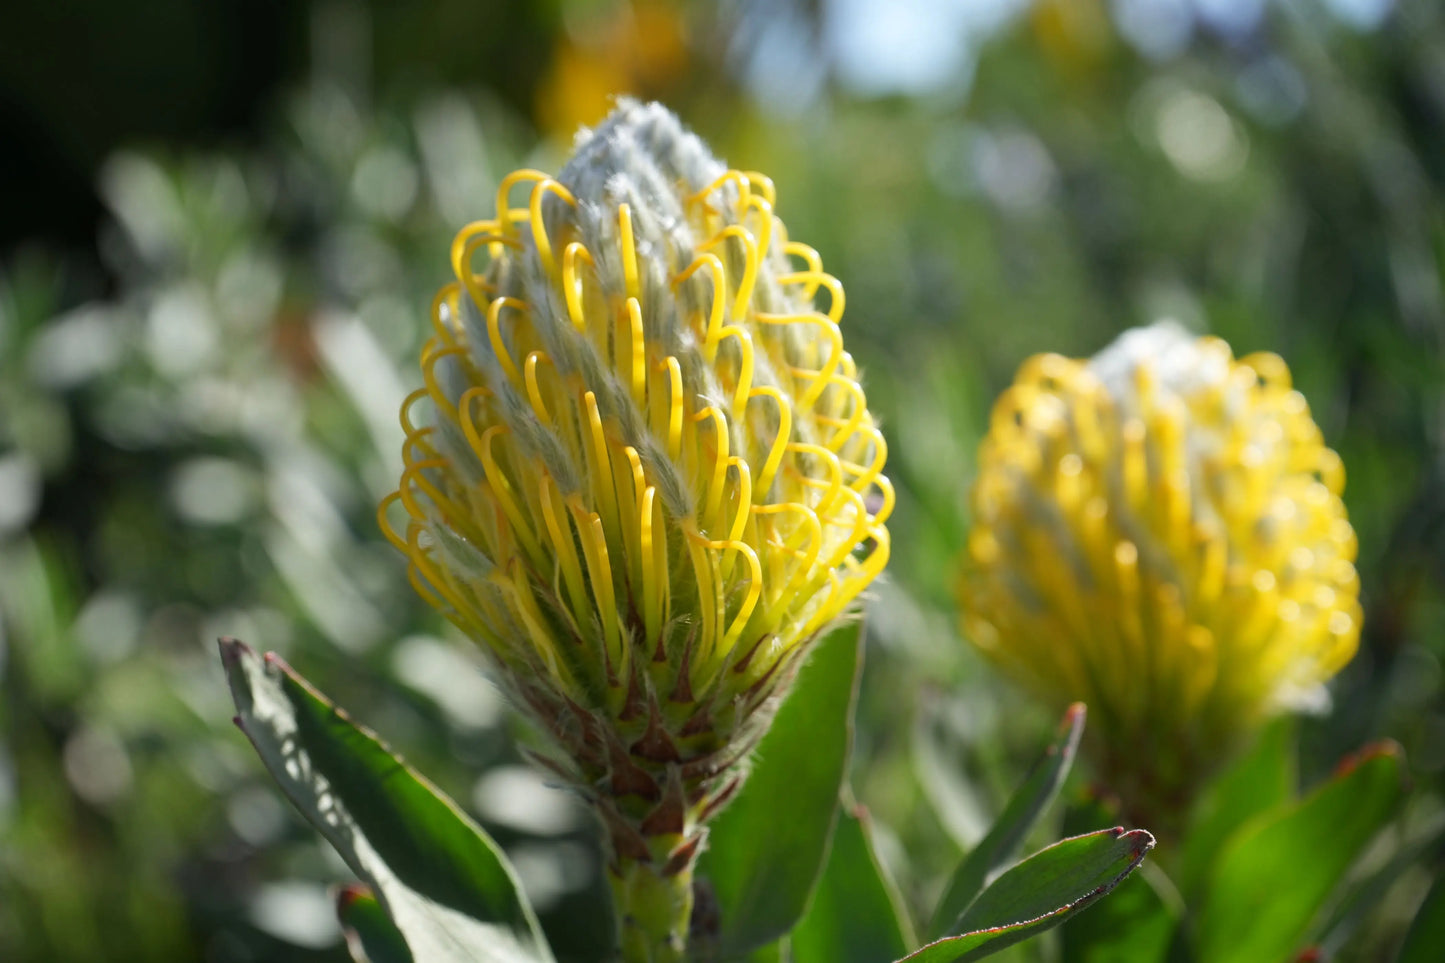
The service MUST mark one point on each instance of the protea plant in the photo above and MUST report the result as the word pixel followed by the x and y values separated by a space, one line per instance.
pixel 1158 532
pixel 643 477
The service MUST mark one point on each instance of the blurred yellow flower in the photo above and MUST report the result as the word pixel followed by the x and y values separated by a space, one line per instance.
pixel 649 477
pixel 1074 35
pixel 1158 532
pixel 637 47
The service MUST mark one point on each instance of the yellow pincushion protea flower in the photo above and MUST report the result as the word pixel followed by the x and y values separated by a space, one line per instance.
pixel 1158 532
pixel 649 477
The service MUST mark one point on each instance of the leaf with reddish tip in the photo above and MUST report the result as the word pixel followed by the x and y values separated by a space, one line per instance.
pixel 1139 922
pixel 444 883
pixel 1009 830
pixel 371 936
pixel 1041 892
pixel 1270 881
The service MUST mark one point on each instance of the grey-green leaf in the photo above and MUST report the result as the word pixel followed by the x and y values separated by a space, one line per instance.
pixel 444 883
pixel 856 915
pixel 1352 912
pixel 1009 830
pixel 1276 873
pixel 767 849
pixel 1042 892
pixel 1427 933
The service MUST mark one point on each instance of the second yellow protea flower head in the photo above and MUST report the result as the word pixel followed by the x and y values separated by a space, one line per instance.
pixel 649 476
pixel 1158 532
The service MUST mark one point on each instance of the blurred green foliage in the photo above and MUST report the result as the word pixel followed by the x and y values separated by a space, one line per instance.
pixel 198 450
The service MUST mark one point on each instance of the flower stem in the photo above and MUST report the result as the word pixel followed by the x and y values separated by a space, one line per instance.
pixel 653 912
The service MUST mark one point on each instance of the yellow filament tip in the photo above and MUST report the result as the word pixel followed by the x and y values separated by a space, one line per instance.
pixel 629 251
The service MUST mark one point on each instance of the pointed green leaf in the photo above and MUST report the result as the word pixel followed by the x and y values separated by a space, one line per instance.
pixel 1427 933
pixel 443 882
pixel 856 915
pixel 1276 872
pixel 1041 892
pixel 371 936
pixel 1009 830
pixel 1138 923
pixel 1263 778
pixel 766 850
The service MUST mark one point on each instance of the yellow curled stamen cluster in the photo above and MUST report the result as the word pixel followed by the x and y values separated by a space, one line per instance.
pixel 1160 533
pixel 648 449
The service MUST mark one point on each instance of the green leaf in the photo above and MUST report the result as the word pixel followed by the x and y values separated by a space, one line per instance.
pixel 1139 923
pixel 1041 892
pixel 1276 873
pixel 1136 924
pixel 766 850
pixel 775 952
pixel 1261 779
pixel 443 882
pixel 941 737
pixel 1365 894
pixel 1427 933
pixel 1009 830
pixel 371 936
pixel 856 915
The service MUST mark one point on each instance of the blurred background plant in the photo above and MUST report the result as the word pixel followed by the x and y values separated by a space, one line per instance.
pixel 220 234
